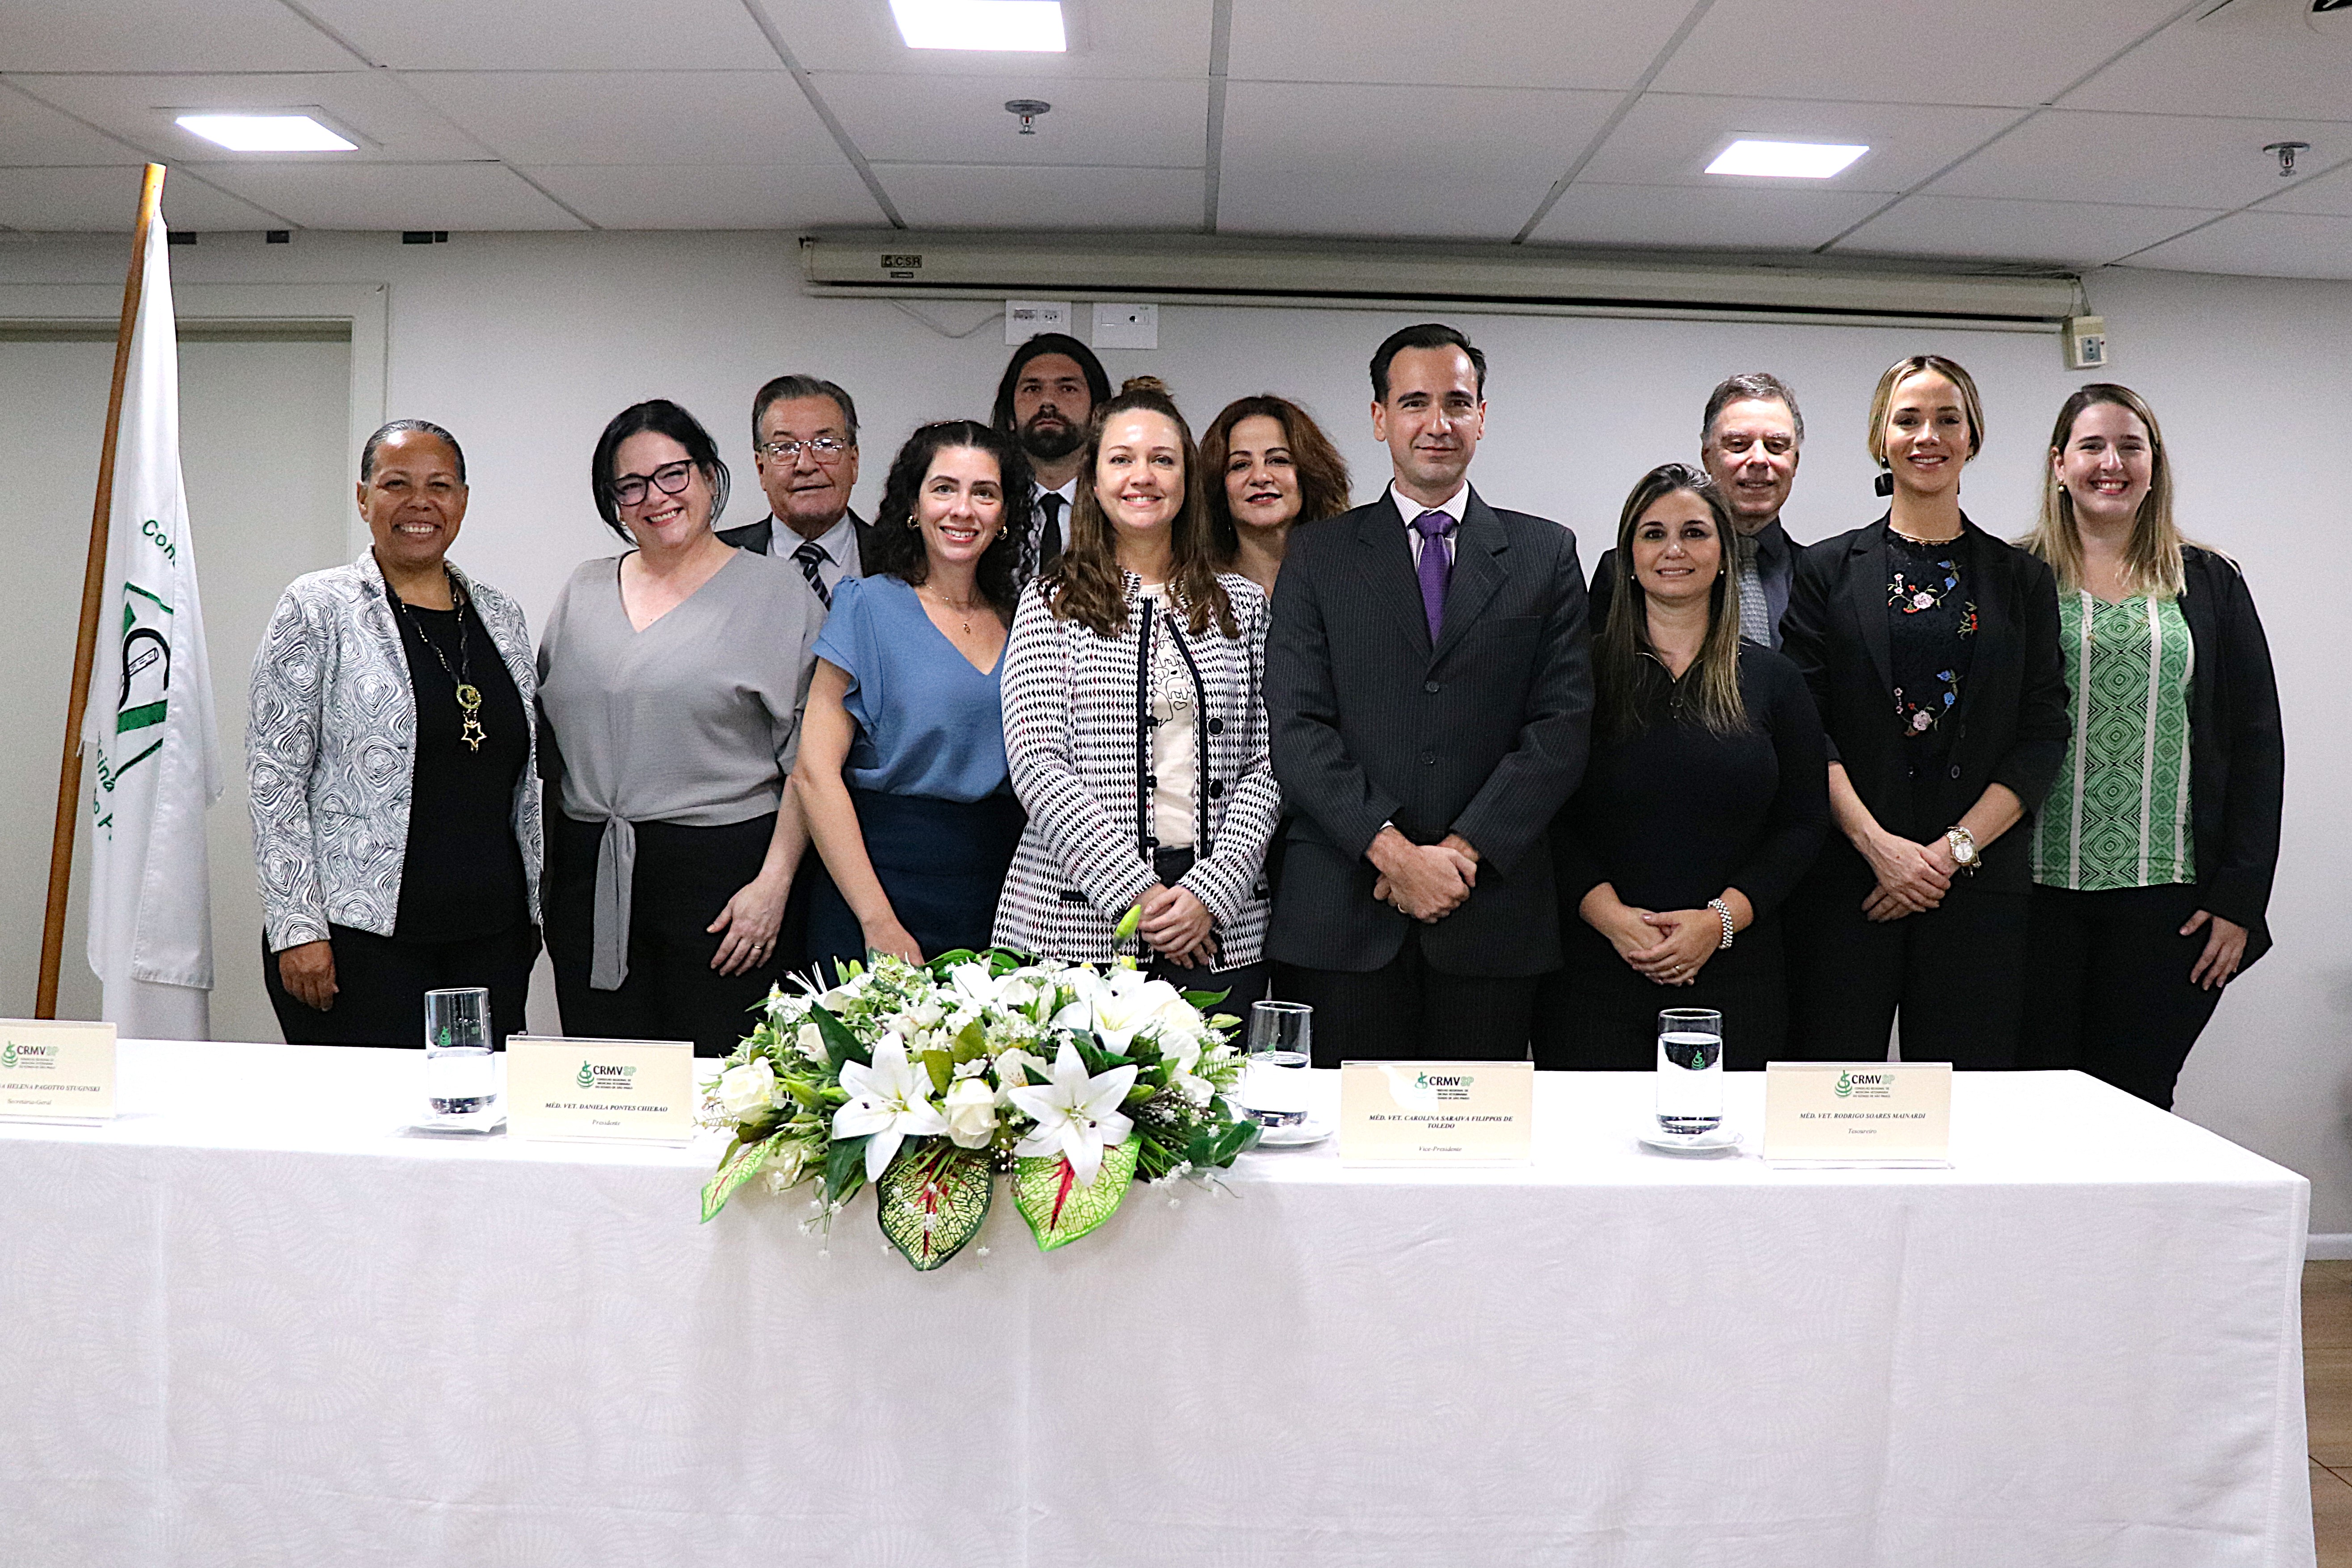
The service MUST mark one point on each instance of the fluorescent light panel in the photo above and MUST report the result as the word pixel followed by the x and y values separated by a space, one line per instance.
pixel 267 133
pixel 1786 160
pixel 1012 26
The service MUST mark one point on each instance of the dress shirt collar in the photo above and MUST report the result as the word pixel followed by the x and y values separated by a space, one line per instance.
pixel 1771 543
pixel 839 542
pixel 1068 492
pixel 1451 506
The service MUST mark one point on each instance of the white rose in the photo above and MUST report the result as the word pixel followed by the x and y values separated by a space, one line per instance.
pixel 971 1109
pixel 744 1091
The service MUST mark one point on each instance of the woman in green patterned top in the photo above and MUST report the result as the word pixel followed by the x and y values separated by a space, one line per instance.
pixel 2154 850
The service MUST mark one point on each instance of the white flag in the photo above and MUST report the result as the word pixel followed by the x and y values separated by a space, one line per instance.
pixel 152 758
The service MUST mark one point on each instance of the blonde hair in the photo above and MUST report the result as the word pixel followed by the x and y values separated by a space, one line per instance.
pixel 2152 560
pixel 1902 370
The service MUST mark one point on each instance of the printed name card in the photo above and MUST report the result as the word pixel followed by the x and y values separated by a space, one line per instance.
pixel 631 1091
pixel 1858 1113
pixel 1436 1113
pixel 55 1072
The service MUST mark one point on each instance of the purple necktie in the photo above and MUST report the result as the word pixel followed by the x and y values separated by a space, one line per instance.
pixel 1436 566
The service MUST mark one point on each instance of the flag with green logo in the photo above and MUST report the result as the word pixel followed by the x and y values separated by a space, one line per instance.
pixel 152 758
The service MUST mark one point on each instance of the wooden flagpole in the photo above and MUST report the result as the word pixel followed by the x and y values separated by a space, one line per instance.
pixel 93 590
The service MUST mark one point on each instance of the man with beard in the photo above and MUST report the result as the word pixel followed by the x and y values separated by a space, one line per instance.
pixel 804 444
pixel 1049 394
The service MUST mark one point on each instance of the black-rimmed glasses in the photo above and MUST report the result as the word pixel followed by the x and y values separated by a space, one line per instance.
pixel 630 489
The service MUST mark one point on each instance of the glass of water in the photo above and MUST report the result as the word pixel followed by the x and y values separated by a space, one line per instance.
pixel 457 1072
pixel 1690 1070
pixel 1275 1081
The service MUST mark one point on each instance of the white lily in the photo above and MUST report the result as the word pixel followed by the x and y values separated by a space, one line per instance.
pixel 891 1099
pixel 1078 1115
pixel 1123 1007
pixel 1016 1068
pixel 1181 1054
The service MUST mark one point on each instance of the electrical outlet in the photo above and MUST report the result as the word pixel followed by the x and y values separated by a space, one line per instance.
pixel 1025 318
pixel 1127 326
pixel 2087 342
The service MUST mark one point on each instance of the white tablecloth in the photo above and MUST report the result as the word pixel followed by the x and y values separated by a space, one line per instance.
pixel 247 1324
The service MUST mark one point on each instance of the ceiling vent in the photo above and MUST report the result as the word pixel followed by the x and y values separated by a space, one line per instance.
pixel 2279 18
pixel 1508 279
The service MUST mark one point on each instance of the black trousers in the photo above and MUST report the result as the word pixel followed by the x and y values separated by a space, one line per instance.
pixel 380 985
pixel 1597 1015
pixel 1405 1010
pixel 2107 989
pixel 684 877
pixel 1955 972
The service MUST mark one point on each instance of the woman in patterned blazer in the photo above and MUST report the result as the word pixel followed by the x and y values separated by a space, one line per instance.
pixel 391 755
pixel 1135 725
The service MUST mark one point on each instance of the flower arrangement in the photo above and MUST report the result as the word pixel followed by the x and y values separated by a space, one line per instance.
pixel 928 1081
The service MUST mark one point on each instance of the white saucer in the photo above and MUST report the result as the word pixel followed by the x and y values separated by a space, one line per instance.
pixel 1720 1140
pixel 489 1120
pixel 1297 1135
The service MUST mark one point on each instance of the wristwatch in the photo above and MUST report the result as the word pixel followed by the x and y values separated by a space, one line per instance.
pixel 1964 849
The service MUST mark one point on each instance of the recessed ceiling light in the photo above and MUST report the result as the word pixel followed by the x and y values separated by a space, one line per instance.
pixel 1786 160
pixel 267 133
pixel 1013 26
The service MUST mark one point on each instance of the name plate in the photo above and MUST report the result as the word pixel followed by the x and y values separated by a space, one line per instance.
pixel 55 1072
pixel 1436 1113
pixel 626 1091
pixel 1858 1113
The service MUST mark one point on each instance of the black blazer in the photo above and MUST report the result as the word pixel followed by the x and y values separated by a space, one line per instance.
pixel 1483 735
pixel 2012 725
pixel 753 536
pixel 2237 748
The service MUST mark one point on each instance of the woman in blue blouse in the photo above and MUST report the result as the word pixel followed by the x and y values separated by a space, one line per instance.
pixel 901 769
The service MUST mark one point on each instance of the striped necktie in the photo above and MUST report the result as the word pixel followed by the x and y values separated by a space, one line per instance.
pixel 812 555
pixel 1755 609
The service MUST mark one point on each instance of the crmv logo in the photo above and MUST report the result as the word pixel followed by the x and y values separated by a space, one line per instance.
pixel 1445 1080
pixel 590 1074
pixel 11 1053
pixel 1848 1082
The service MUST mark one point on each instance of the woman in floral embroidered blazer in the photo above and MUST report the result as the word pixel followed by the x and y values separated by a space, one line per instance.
pixel 391 760
pixel 1135 726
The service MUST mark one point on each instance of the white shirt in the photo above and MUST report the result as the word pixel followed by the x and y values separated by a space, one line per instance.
pixel 839 543
pixel 1069 494
pixel 1451 506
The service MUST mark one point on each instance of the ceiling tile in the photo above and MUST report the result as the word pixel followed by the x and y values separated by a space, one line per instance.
pixel 1500 43
pixel 2076 234
pixel 390 120
pixel 382 196
pixel 1397 161
pixel 597 117
pixel 163 35
pixel 2254 58
pixel 1108 38
pixel 712 195
pixel 106 201
pixel 1669 138
pixel 1997 52
pixel 552 35
pixel 33 135
pixel 2150 159
pixel 1674 217
pixel 2330 194
pixel 977 195
pixel 2263 244
pixel 963 120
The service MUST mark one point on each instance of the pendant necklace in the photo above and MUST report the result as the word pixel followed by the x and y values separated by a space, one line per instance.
pixel 962 612
pixel 469 695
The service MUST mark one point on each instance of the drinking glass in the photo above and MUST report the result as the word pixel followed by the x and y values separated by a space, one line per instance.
pixel 1690 1070
pixel 458 1071
pixel 1275 1081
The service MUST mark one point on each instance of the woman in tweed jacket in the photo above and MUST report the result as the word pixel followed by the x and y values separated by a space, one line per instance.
pixel 1135 726
pixel 390 752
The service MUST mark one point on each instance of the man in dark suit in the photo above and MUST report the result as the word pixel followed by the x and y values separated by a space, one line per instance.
pixel 1429 686
pixel 804 445
pixel 1045 401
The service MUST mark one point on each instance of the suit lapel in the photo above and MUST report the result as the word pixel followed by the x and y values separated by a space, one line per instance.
pixel 1866 598
pixel 1478 546
pixel 1387 573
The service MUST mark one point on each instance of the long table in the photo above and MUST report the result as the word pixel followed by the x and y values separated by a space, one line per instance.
pixel 251 1322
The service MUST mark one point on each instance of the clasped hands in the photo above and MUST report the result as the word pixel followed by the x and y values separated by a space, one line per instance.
pixel 1427 881
pixel 1912 877
pixel 1667 947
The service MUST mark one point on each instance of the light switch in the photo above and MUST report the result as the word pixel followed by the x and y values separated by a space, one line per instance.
pixel 1127 326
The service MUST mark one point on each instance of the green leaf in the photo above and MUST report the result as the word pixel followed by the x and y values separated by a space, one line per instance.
pixel 971 1043
pixel 1218 1144
pixel 840 1045
pixel 1058 1210
pixel 739 1164
pixel 845 1167
pixel 941 1065
pixel 1128 923
pixel 1205 1000
pixel 933 1199
pixel 938 967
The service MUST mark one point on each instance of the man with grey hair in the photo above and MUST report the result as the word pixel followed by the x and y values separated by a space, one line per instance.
pixel 1750 439
pixel 804 445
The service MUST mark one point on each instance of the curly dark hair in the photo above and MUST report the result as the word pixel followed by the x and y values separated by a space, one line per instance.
pixel 897 541
pixel 1322 472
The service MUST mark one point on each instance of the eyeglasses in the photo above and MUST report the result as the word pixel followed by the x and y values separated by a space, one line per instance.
pixel 629 490
pixel 823 449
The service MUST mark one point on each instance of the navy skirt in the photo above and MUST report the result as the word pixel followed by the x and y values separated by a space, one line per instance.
pixel 942 864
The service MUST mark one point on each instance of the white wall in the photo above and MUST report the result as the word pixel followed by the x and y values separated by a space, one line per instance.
pixel 524 344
